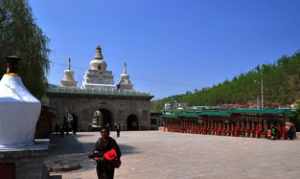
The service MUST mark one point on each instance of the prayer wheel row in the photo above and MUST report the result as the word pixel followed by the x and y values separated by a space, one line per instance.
pixel 234 125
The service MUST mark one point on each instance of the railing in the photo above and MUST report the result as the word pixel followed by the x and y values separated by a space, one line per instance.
pixel 94 91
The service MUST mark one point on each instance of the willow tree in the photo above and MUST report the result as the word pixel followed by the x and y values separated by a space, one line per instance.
pixel 20 35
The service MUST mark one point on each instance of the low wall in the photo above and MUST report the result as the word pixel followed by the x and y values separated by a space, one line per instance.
pixel 24 163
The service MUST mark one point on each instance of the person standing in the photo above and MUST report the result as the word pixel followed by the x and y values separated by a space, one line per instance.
pixel 274 132
pixel 66 125
pixel 292 132
pixel 74 123
pixel 56 128
pixel 118 129
pixel 107 155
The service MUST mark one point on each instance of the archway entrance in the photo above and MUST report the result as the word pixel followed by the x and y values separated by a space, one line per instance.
pixel 132 123
pixel 101 118
pixel 107 120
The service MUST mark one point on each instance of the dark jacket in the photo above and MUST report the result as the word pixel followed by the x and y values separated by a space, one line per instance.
pixel 105 169
pixel 102 146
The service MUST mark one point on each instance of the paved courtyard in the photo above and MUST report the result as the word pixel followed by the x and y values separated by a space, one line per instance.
pixel 159 155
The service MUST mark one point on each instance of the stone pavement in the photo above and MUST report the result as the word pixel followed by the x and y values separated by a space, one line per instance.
pixel 159 155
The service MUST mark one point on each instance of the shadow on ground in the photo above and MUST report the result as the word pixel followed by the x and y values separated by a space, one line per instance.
pixel 55 177
pixel 128 149
pixel 67 150
pixel 69 144
pixel 61 145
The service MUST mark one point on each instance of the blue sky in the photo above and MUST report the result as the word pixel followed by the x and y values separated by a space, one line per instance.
pixel 170 46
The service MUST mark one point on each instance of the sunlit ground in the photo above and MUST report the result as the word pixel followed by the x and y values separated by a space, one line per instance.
pixel 159 155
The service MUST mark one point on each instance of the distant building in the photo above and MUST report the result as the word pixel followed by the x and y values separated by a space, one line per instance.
pixel 204 108
pixel 174 106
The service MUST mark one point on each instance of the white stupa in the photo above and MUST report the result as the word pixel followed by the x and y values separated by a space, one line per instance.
pixel 68 79
pixel 97 75
pixel 19 109
pixel 125 83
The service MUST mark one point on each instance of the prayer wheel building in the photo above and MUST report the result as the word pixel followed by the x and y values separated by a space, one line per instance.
pixel 229 122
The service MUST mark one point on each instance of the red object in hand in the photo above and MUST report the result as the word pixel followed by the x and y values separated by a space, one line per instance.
pixel 110 155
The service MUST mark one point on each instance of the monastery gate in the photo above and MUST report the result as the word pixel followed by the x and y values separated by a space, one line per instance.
pixel 130 109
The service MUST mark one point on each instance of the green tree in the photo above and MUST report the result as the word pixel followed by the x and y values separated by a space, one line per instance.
pixel 281 86
pixel 19 35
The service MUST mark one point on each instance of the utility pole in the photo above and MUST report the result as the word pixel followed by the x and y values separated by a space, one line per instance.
pixel 258 96
pixel 262 90
pixel 257 102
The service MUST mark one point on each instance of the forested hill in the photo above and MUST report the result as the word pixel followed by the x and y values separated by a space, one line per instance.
pixel 281 86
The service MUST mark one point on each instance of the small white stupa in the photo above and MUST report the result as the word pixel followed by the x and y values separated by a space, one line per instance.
pixel 68 79
pixel 19 109
pixel 125 82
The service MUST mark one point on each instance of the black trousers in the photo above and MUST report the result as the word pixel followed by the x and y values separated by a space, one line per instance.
pixel 105 172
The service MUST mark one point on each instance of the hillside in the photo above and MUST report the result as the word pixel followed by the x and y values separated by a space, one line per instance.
pixel 281 86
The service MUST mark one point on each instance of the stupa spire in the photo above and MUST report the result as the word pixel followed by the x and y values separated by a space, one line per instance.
pixel 124 70
pixel 98 63
pixel 69 63
pixel 68 79
pixel 125 83
pixel 98 55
